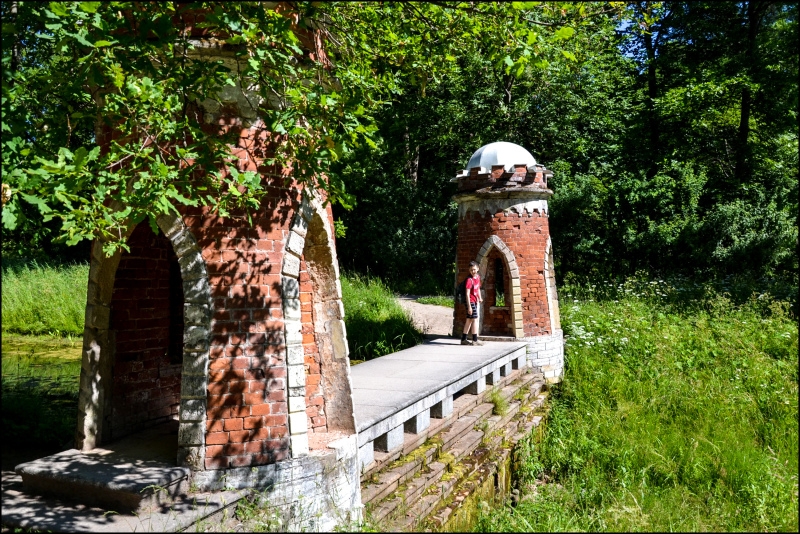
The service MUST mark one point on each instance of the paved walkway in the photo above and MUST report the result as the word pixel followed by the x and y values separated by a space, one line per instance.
pixel 400 392
pixel 386 385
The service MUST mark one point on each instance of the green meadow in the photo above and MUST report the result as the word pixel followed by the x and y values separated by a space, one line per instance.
pixel 678 412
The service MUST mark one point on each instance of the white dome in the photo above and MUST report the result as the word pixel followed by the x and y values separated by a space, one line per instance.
pixel 500 153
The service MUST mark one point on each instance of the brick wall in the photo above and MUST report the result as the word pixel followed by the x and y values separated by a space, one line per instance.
pixel 247 413
pixel 315 402
pixel 526 235
pixel 147 324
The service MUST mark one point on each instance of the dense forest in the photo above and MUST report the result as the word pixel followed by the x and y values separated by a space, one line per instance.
pixel 671 127
pixel 672 137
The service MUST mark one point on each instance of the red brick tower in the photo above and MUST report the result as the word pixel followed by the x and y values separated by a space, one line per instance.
pixel 503 225
pixel 230 334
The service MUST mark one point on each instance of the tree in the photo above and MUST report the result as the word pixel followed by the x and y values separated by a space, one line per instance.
pixel 73 68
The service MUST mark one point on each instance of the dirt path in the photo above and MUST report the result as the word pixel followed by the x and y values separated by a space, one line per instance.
pixel 429 318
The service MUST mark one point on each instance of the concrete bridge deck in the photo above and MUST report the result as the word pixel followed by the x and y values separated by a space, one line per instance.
pixel 400 392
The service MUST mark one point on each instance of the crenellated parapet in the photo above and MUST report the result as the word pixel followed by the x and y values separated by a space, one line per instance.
pixel 503 224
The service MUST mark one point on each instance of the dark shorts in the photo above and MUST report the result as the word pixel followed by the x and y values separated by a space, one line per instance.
pixel 474 313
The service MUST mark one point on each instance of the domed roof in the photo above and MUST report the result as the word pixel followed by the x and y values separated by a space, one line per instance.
pixel 500 153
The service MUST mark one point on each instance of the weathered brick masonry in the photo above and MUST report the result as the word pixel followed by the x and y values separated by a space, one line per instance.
pixel 234 330
pixel 147 321
pixel 503 224
pixel 526 235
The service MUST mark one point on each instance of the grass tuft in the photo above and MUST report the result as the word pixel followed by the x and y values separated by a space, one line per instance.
pixel 500 405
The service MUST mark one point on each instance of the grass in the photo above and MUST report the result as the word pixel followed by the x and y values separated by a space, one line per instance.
pixel 376 324
pixel 500 405
pixel 678 412
pixel 438 300
pixel 44 299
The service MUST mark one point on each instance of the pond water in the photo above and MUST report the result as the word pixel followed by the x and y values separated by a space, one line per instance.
pixel 41 377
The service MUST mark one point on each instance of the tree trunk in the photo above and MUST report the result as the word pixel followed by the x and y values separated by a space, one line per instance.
pixel 753 15
pixel 652 94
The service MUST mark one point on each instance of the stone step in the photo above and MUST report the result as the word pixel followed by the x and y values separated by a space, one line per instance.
pixel 446 501
pixel 402 495
pixel 107 479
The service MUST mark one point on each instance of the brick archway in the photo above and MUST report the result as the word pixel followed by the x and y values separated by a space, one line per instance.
pixel 494 242
pixel 317 301
pixel 94 403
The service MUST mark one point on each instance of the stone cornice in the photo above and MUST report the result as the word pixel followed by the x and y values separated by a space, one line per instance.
pixel 520 193
pixel 520 201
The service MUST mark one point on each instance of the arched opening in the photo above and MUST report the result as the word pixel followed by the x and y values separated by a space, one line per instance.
pixel 145 344
pixel 146 330
pixel 318 372
pixel 497 314
pixel 329 335
pixel 498 264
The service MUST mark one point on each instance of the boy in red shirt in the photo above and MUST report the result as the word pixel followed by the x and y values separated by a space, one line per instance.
pixel 473 299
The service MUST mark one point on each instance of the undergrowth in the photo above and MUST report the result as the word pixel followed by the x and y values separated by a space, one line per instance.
pixel 676 413
pixel 376 324
pixel 44 299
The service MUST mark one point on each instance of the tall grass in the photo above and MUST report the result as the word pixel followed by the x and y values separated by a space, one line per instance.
pixel 376 324
pixel 44 299
pixel 675 414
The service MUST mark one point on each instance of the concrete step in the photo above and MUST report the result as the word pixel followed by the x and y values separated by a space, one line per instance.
pixel 403 494
pixel 106 479
pixel 34 512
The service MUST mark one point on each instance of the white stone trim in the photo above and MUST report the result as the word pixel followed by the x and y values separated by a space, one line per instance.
pixel 546 353
pixel 514 278
pixel 309 208
pixel 550 287
pixel 290 298
pixel 508 205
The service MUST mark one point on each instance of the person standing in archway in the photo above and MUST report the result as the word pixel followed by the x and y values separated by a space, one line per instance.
pixel 473 300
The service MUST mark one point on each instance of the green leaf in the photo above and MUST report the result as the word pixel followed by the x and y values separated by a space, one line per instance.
pixel 36 201
pixel 89 7
pixel 565 33
pixel 569 55
pixel 80 38
pixel 9 216
pixel 58 9
pixel 101 43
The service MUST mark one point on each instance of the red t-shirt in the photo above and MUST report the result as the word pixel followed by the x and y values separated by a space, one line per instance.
pixel 473 283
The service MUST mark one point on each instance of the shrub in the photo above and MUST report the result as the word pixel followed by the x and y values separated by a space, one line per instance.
pixel 675 413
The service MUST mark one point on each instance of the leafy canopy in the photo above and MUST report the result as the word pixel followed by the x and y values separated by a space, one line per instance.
pixel 103 125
